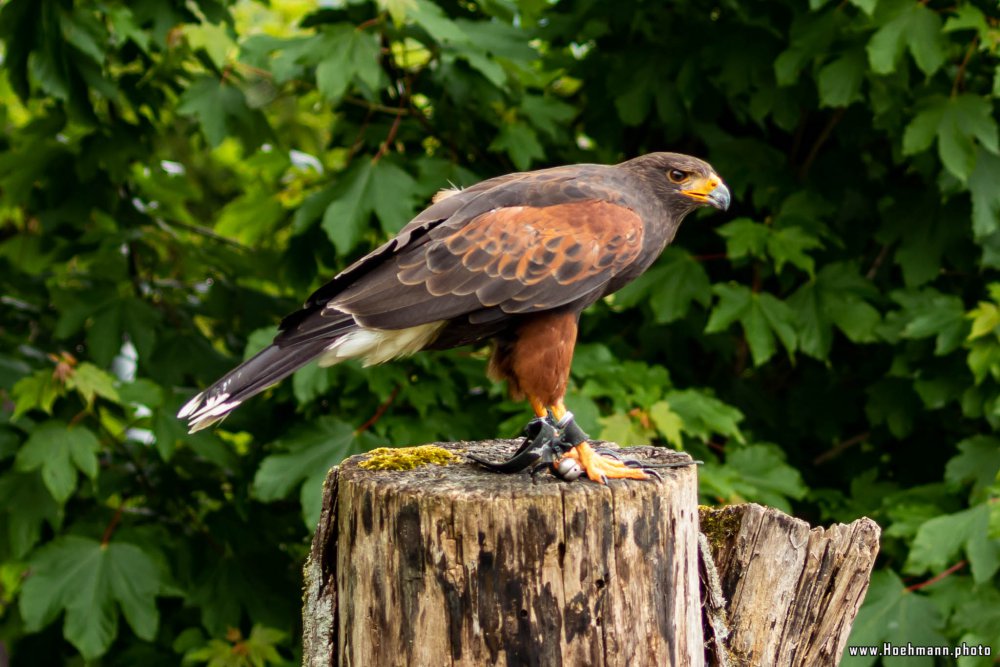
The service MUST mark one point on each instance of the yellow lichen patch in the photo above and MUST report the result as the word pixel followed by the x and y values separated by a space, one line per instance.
pixel 407 458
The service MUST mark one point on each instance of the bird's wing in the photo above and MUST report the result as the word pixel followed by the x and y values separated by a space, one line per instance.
pixel 313 321
pixel 517 259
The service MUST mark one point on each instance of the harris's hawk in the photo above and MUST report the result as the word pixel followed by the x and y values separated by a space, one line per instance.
pixel 513 259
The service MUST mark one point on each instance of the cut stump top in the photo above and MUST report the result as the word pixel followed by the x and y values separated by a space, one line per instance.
pixel 466 479
pixel 458 565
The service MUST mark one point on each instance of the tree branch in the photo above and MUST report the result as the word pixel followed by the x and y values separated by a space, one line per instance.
pixel 820 140
pixel 379 411
pixel 938 577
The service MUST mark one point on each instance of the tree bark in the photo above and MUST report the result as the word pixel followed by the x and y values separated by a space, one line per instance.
pixel 455 565
pixel 791 592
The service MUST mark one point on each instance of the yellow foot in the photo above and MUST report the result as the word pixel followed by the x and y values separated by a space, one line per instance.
pixel 601 468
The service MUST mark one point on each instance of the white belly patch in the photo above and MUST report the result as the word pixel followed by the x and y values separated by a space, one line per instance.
pixel 377 346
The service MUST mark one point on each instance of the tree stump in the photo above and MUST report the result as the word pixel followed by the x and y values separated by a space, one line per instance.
pixel 791 591
pixel 455 565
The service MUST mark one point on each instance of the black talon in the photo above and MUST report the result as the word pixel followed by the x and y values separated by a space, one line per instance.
pixel 610 454
pixel 545 444
pixel 536 449
pixel 540 468
pixel 679 464
pixel 516 463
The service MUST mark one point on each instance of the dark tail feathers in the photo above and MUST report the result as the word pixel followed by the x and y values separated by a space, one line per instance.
pixel 267 367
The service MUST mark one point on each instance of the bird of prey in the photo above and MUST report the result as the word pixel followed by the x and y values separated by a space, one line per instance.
pixel 514 260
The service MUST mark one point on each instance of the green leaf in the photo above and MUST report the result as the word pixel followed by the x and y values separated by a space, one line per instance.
pixel 124 27
pixel 38 390
pixel 432 18
pixel 916 27
pixel 758 333
pixel 141 392
pixel 251 218
pixel 981 613
pixel 978 461
pixel 91 382
pixel 763 475
pixel 497 39
pixel 59 451
pixel 257 650
pixel 967 117
pixel 397 9
pixel 985 194
pixel 668 423
pixel 310 453
pixel 886 46
pixel 92 582
pixel 928 313
pixel 548 114
pixel 734 303
pixel 621 429
pixel 214 40
pixel 939 540
pixel 744 238
pixel 967 17
pixel 682 282
pixel 207 99
pixel 312 209
pixel 762 316
pixel 836 298
pixel 960 124
pixel 520 142
pixel 347 215
pixel 779 318
pixel 349 55
pixel 118 317
pixel 671 286
pixel 104 337
pixel 839 82
pixel 984 360
pixel 893 614
pixel 867 6
pixel 703 415
pixel 221 109
pixel 27 504
pixel 788 245
pixel 395 196
pixel 924 38
pixel 923 129
pixel 311 382
pixel 811 35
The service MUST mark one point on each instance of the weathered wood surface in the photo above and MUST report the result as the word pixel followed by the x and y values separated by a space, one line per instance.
pixel 791 591
pixel 454 565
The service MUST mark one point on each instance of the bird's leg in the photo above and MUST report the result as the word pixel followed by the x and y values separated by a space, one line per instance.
pixel 597 467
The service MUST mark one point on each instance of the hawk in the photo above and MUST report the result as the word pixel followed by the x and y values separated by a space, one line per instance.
pixel 514 260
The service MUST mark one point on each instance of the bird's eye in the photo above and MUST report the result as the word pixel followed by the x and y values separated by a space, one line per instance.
pixel 677 176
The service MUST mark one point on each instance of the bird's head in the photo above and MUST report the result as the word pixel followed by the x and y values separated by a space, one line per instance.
pixel 685 182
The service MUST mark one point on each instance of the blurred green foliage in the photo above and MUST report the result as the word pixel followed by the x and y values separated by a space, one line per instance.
pixel 177 175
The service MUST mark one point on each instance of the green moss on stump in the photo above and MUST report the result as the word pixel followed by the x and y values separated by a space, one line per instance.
pixel 407 458
pixel 719 524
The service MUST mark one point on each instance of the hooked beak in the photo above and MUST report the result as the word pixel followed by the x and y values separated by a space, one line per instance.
pixel 708 190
